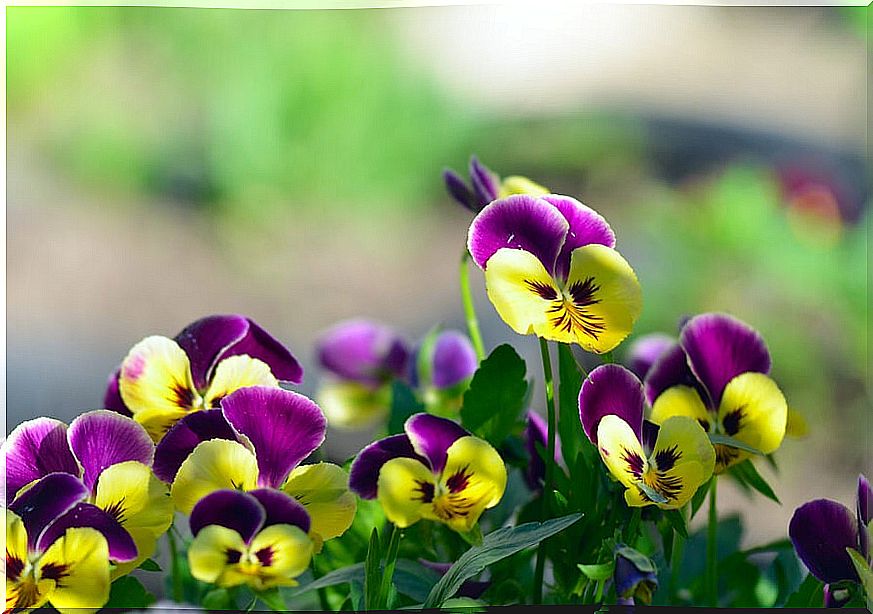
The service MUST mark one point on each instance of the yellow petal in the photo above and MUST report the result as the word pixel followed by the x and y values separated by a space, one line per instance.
pixel 83 554
pixel 211 554
pixel 474 479
pixel 213 465
pixel 753 411
pixel 683 459
pixel 405 489
pixel 681 401
pixel 323 489
pixel 156 378
pixel 351 405
pixel 22 589
pixel 237 372
pixel 621 450
pixel 521 290
pixel 516 184
pixel 284 552
pixel 604 299
pixel 16 537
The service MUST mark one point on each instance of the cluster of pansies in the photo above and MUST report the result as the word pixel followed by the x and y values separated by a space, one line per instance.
pixel 203 456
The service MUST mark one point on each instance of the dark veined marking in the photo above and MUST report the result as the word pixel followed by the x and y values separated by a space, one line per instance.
pixel 568 315
pixel 704 423
pixel 117 510
pixel 452 505
pixel 184 396
pixel 426 491
pixel 14 567
pixel 544 290
pixel 265 556
pixel 725 455
pixel 460 480
pixel 216 402
pixel 54 571
pixel 28 595
pixel 232 556
pixel 634 461
pixel 733 421
pixel 669 486
pixel 665 459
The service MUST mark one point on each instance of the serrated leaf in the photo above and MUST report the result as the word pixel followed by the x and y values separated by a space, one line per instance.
pixel 597 571
pixel 495 399
pixel 731 442
pixel 747 472
pixel 495 546
pixel 677 521
pixel 403 405
pixel 149 565
pixel 127 592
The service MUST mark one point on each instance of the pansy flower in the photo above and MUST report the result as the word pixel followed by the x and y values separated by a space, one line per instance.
pixel 645 351
pixel 110 456
pixel 486 185
pixel 717 375
pixel 58 549
pixel 258 538
pixel 665 465
pixel 436 470
pixel 536 435
pixel 257 440
pixel 162 380
pixel 635 576
pixel 441 370
pixel 822 530
pixel 551 270
pixel 362 358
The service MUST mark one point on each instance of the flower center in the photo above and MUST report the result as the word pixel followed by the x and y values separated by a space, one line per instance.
pixel 570 311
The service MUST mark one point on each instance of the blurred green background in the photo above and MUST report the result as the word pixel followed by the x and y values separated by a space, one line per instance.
pixel 165 164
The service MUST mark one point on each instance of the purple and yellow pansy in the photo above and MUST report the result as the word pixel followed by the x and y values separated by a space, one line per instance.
pixel 441 369
pixel 258 538
pixel 257 440
pixel 717 374
pixel 362 358
pixel 657 465
pixel 162 380
pixel 110 457
pixel 486 186
pixel 436 470
pixel 551 270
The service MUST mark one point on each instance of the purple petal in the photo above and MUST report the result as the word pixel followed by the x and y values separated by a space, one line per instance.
pixel 454 360
pixel 364 472
pixel 459 190
pixel 206 339
pixel 233 509
pixel 184 436
pixel 470 588
pixel 260 344
pixel 645 351
pixel 363 351
pixel 671 369
pixel 720 347
pixel 611 389
pixel 518 222
pixel 586 227
pixel 283 427
pixel 281 508
pixel 103 438
pixel 431 437
pixel 121 545
pixel 112 397
pixel 536 432
pixel 650 436
pixel 864 512
pixel 835 597
pixel 34 449
pixel 49 498
pixel 485 182
pixel 821 530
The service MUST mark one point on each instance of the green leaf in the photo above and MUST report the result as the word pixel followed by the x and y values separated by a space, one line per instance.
pixel 598 571
pixel 414 579
pixel 640 560
pixel 218 599
pixel 496 546
pixel 808 594
pixel 569 384
pixel 677 521
pixel 864 572
pixel 403 405
pixel 273 599
pixel 150 565
pixel 726 440
pixel 128 592
pixel 351 574
pixel 747 473
pixel 495 399
pixel 699 497
pixel 373 572
pixel 463 605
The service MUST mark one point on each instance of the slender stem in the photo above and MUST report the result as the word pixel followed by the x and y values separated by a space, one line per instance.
pixel 608 358
pixel 390 564
pixel 633 526
pixel 469 308
pixel 598 593
pixel 712 548
pixel 549 485
pixel 676 564
pixel 175 572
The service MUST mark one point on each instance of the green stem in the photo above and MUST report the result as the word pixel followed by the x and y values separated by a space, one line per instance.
pixel 549 485
pixel 712 548
pixel 608 358
pixel 175 572
pixel 390 564
pixel 469 308
pixel 633 527
pixel 676 565
pixel 598 593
